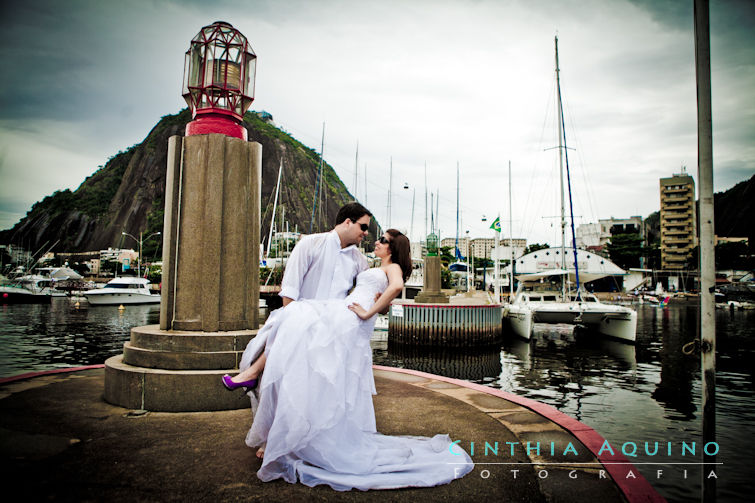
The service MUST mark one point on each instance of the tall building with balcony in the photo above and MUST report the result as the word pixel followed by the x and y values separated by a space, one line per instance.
pixel 678 220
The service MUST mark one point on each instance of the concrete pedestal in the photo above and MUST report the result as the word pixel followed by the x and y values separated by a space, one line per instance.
pixel 210 284
pixel 431 293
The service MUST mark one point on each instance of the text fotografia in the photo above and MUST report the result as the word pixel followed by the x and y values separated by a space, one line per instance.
pixel 630 449
pixel 620 469
pixel 628 473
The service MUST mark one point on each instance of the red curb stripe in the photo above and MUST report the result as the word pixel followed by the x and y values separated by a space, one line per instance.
pixel 31 375
pixel 447 306
pixel 634 489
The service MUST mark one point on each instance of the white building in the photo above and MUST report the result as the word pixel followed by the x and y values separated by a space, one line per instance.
pixel 124 256
pixel 591 265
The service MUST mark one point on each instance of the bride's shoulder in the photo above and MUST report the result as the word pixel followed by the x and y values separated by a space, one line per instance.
pixel 392 269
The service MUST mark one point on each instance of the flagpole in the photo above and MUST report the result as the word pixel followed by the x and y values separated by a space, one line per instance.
pixel 497 234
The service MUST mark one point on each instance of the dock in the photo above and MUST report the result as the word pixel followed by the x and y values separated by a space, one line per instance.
pixel 467 320
pixel 62 441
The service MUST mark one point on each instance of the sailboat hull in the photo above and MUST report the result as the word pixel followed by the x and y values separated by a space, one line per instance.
pixel 614 321
pixel 520 320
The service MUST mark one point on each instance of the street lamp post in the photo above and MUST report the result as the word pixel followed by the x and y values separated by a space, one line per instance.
pixel 140 241
pixel 468 270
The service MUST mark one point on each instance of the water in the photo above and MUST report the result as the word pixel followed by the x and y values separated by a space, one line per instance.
pixel 37 337
pixel 649 392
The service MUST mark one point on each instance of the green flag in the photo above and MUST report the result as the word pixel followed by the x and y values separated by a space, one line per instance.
pixel 496 225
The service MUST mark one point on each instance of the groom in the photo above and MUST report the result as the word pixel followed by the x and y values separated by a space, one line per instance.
pixel 323 266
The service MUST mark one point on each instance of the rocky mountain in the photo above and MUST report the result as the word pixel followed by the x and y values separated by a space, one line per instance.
pixel 127 194
pixel 735 211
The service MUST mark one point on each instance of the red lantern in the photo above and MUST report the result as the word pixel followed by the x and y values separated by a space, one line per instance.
pixel 218 82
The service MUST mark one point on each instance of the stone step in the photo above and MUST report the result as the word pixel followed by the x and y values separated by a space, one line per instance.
pixel 164 390
pixel 180 360
pixel 151 337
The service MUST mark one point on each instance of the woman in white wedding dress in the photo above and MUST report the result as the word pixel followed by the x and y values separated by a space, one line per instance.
pixel 315 417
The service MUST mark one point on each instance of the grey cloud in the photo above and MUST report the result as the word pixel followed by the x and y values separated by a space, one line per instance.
pixel 726 174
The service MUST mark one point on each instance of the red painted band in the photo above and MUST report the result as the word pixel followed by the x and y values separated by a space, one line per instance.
pixel 447 306
pixel 213 124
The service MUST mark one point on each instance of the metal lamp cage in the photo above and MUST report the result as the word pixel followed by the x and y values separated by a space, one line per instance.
pixel 219 71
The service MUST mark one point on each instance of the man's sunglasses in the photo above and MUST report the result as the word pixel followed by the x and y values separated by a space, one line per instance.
pixel 383 240
pixel 364 227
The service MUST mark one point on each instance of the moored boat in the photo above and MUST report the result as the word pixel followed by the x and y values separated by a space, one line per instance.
pixel 123 290
pixel 578 307
pixel 17 294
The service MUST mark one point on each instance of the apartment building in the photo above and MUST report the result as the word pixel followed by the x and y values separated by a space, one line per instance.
pixel 678 220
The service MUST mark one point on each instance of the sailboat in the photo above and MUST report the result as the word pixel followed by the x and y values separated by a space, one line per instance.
pixel 537 301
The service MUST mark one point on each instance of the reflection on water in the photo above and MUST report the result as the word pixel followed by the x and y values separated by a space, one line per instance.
pixel 469 365
pixel 44 336
pixel 649 392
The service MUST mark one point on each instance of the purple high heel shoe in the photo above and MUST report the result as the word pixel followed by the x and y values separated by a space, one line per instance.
pixel 230 385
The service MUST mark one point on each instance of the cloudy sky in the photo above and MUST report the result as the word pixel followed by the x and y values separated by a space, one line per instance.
pixel 419 82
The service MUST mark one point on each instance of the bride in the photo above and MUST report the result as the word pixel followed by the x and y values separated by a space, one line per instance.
pixel 315 418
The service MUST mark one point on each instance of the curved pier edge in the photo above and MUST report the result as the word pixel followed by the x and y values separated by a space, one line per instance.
pixel 30 375
pixel 634 489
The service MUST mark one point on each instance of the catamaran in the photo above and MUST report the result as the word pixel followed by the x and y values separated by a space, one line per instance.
pixel 538 301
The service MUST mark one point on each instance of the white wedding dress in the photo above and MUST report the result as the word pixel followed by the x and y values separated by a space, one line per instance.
pixel 315 414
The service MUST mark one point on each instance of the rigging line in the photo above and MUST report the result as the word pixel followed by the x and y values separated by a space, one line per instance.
pixel 535 171
pixel 587 180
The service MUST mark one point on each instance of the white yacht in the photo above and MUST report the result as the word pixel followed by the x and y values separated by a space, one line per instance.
pixel 124 290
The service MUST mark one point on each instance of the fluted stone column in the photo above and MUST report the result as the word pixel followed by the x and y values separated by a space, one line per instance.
pixel 210 287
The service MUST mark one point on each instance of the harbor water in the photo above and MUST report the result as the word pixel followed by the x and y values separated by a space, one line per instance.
pixel 648 393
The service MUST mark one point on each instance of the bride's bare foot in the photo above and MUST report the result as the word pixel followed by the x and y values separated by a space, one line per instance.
pixel 261 452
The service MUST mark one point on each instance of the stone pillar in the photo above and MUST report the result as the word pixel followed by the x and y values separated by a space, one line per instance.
pixel 431 292
pixel 210 289
pixel 212 235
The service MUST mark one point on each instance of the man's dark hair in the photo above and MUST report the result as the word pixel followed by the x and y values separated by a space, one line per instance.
pixel 353 211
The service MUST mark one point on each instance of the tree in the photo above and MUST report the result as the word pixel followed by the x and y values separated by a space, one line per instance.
pixel 535 247
pixel 446 257
pixel 625 249
pixel 733 256
pixel 446 278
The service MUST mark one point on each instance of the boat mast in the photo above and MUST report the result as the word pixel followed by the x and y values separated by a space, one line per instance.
pixel 390 186
pixel 275 207
pixel 561 175
pixel 356 172
pixel 425 236
pixel 456 251
pixel 511 242
pixel 565 157
pixel 318 181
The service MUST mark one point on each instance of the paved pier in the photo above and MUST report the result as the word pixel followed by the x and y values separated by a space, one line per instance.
pixel 61 441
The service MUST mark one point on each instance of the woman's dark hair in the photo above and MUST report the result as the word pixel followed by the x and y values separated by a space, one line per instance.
pixel 353 211
pixel 401 252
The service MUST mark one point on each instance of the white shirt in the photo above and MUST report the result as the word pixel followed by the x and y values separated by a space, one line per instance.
pixel 319 268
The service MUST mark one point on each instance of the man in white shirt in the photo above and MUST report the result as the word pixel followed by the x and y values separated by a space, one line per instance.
pixel 323 266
